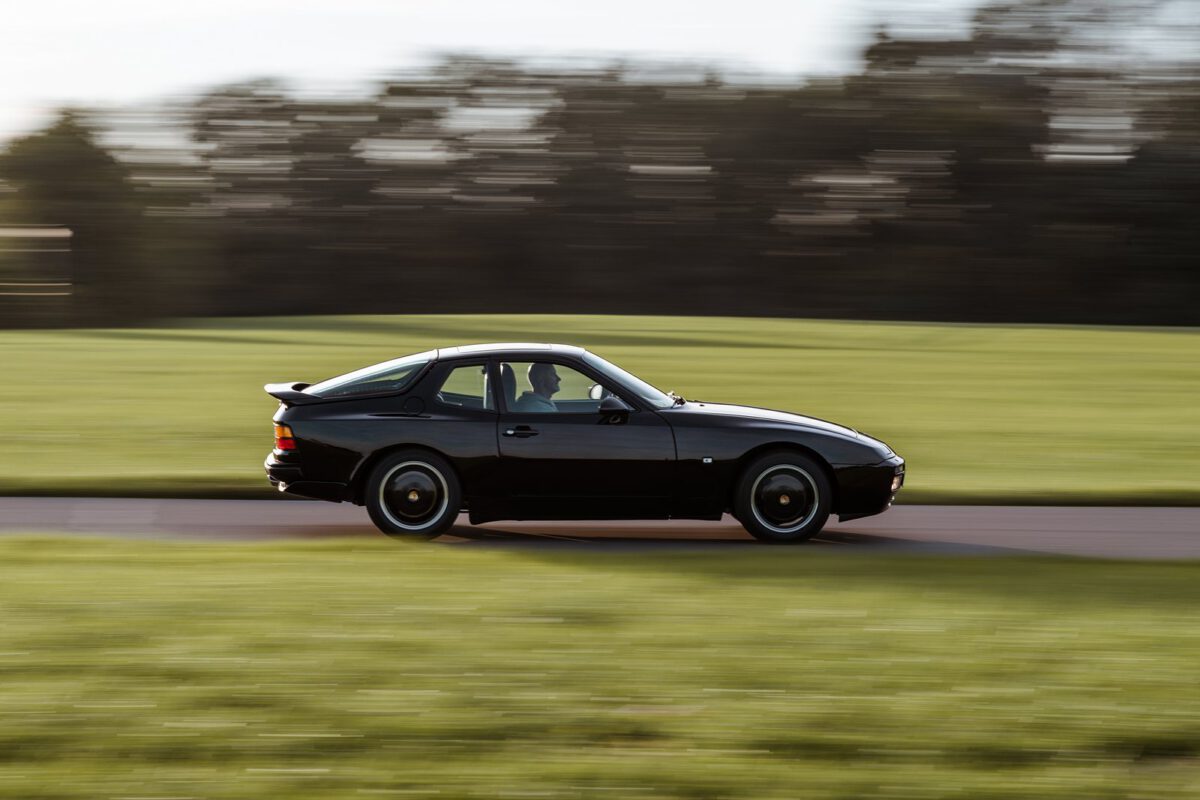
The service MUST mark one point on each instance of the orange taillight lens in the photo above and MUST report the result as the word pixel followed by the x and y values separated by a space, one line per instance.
pixel 284 439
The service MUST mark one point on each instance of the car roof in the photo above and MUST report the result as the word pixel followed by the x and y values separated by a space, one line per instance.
pixel 512 348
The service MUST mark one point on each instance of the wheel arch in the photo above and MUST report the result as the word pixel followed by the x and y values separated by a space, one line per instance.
pixel 358 483
pixel 785 447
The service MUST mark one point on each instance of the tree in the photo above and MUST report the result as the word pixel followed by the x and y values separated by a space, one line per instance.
pixel 63 178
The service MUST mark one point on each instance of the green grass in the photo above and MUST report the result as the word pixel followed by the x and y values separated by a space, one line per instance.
pixel 369 668
pixel 982 413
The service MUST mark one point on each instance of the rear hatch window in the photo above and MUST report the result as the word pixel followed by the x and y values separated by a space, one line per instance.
pixel 390 376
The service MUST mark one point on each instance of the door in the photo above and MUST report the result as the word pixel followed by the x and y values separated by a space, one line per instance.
pixel 561 458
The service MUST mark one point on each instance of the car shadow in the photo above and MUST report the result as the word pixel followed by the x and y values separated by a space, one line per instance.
pixel 565 538
pixel 694 537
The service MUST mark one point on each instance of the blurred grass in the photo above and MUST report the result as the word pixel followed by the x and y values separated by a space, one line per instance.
pixel 982 413
pixel 343 669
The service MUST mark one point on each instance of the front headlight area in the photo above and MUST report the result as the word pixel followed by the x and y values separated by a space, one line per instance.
pixel 879 447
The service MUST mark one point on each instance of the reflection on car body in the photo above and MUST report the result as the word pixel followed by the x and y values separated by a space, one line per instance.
pixel 535 431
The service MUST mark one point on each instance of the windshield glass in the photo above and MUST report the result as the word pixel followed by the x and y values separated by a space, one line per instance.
pixel 630 381
pixel 390 376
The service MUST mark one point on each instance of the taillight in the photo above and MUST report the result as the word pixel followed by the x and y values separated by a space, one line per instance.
pixel 284 439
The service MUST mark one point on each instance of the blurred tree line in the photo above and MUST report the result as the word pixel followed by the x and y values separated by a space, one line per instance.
pixel 1018 175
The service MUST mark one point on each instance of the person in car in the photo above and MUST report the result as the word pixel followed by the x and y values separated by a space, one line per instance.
pixel 544 380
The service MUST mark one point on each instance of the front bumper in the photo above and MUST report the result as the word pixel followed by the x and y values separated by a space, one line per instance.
pixel 289 477
pixel 866 491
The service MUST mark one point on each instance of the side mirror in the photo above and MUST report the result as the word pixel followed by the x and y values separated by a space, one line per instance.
pixel 614 405
pixel 596 392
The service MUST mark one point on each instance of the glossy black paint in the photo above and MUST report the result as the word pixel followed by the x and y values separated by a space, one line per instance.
pixel 646 463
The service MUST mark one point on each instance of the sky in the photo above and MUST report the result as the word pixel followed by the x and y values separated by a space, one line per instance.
pixel 81 52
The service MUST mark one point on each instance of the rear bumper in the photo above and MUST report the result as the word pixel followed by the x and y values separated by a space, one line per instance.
pixel 866 491
pixel 289 478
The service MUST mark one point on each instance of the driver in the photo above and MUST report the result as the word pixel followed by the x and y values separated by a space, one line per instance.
pixel 544 380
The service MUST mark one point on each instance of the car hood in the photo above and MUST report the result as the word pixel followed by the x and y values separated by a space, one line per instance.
pixel 767 415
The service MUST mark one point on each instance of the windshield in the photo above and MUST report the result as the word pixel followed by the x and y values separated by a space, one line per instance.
pixel 630 381
pixel 390 376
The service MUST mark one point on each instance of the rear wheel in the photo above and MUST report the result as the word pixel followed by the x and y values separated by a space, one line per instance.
pixel 783 498
pixel 413 494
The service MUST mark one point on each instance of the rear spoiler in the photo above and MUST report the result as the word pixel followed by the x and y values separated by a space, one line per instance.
pixel 290 395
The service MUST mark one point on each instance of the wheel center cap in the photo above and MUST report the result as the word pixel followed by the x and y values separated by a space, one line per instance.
pixel 784 500
pixel 414 496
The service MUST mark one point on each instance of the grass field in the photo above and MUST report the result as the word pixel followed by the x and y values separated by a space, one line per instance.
pixel 983 414
pixel 339 669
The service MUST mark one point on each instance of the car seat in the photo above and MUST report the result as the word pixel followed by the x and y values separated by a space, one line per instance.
pixel 508 378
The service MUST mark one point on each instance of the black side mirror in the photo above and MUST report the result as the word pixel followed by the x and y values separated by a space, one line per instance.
pixel 614 405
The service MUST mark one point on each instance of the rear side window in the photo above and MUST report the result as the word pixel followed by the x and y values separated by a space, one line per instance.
pixel 467 387
pixel 390 376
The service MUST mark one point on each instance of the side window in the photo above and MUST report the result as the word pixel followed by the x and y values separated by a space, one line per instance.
pixel 540 387
pixel 466 387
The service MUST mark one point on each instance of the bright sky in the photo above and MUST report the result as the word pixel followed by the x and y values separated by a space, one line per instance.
pixel 59 52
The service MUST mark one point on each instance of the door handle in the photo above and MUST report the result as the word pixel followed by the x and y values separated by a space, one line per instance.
pixel 520 432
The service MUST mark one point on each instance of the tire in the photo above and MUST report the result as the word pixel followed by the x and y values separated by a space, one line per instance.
pixel 413 494
pixel 783 498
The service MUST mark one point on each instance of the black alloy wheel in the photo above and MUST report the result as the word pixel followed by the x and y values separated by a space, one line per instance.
pixel 413 494
pixel 783 498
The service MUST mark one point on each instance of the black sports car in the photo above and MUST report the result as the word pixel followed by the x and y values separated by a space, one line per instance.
pixel 543 431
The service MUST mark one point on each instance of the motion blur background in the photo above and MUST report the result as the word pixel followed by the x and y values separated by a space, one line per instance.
pixel 200 198
pixel 1015 162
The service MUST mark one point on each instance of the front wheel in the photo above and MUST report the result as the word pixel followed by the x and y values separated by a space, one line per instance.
pixel 413 494
pixel 783 498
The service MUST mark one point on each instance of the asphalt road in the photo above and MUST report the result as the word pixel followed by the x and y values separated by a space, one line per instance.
pixel 1155 533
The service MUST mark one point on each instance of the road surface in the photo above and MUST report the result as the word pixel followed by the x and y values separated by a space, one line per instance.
pixel 1157 533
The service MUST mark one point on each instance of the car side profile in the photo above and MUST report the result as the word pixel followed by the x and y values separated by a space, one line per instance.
pixel 554 432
